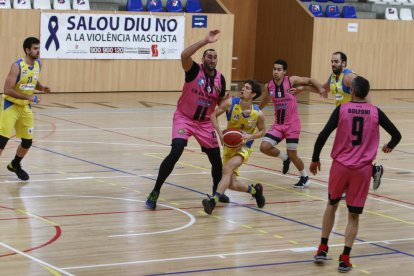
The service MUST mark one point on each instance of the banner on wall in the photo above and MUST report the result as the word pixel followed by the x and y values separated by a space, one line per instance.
pixel 111 36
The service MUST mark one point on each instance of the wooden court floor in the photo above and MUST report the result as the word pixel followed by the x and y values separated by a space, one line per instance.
pixel 96 157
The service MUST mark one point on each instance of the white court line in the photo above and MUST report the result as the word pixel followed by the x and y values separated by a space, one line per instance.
pixel 222 255
pixel 36 260
pixel 104 143
pixel 71 178
pixel 191 222
pixel 192 218
pixel 325 185
pixel 99 129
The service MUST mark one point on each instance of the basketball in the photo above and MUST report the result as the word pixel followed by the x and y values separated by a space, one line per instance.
pixel 233 137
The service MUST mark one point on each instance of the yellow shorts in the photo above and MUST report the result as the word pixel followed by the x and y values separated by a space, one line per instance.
pixel 19 117
pixel 230 152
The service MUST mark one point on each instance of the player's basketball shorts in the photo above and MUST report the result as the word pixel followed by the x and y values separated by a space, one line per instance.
pixel 289 132
pixel 19 117
pixel 203 132
pixel 355 182
pixel 243 151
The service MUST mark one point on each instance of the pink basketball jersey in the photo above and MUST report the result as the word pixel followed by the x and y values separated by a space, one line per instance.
pixel 199 97
pixel 286 110
pixel 357 136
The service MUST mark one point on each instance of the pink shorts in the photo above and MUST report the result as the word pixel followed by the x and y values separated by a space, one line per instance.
pixel 355 182
pixel 291 131
pixel 203 132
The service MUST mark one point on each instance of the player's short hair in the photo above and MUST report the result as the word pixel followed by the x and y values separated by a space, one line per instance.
pixel 256 88
pixel 360 86
pixel 342 55
pixel 205 52
pixel 29 42
pixel 281 62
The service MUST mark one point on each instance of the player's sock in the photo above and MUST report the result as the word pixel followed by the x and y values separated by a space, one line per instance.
pixel 283 156
pixel 347 250
pixel 324 241
pixel 16 161
pixel 303 173
pixel 216 196
pixel 251 190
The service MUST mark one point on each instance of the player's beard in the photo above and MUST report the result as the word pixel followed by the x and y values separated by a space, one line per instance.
pixel 338 70
pixel 34 56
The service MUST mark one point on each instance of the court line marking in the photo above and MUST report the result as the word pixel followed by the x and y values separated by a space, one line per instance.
pixel 257 265
pixel 111 177
pixel 35 259
pixel 221 255
pixel 325 185
pixel 191 222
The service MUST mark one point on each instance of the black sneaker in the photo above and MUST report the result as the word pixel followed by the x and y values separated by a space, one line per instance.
pixel 321 255
pixel 260 199
pixel 377 172
pixel 224 199
pixel 303 183
pixel 151 202
pixel 344 264
pixel 209 204
pixel 17 169
pixel 286 165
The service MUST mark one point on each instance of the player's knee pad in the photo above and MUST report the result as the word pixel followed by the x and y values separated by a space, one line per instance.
pixel 26 143
pixel 3 142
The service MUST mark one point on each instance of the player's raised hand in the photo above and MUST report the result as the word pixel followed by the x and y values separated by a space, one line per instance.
pixel 212 36
pixel 315 167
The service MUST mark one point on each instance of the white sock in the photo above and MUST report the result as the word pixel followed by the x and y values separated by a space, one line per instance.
pixel 303 173
pixel 283 156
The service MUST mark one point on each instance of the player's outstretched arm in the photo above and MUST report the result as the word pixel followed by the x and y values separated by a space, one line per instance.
pixel 186 60
pixel 309 84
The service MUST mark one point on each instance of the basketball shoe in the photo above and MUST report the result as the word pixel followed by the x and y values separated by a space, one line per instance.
pixel 322 254
pixel 302 183
pixel 260 199
pixel 377 172
pixel 209 204
pixel 151 202
pixel 286 164
pixel 344 264
pixel 17 169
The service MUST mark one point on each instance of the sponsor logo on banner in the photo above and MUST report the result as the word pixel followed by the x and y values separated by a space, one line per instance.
pixel 111 36
pixel 154 50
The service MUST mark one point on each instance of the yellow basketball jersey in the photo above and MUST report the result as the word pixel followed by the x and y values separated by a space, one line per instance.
pixel 26 80
pixel 341 92
pixel 237 119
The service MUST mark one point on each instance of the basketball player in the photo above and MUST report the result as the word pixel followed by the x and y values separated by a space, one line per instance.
pixel 355 146
pixel 246 116
pixel 204 86
pixel 287 123
pixel 16 112
pixel 339 84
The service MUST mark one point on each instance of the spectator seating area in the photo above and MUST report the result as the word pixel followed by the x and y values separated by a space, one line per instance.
pixel 191 6
pixel 370 9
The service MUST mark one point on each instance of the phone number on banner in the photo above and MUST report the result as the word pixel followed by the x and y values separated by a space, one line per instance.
pixel 105 50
